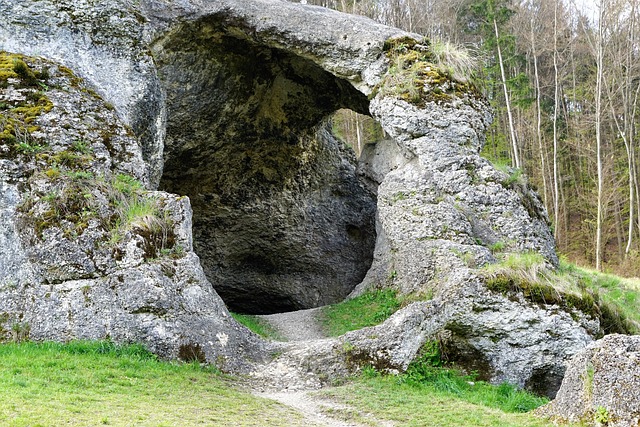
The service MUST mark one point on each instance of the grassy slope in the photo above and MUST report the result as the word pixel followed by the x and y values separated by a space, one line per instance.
pixel 616 301
pixel 387 398
pixel 256 325
pixel 87 384
pixel 365 310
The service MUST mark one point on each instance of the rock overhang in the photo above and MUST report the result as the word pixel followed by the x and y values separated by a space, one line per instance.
pixel 281 220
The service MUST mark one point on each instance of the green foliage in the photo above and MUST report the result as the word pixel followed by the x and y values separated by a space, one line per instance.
pixel 505 397
pixel 82 147
pixel 602 415
pixel 86 383
pixel 497 247
pixel 256 325
pixel 126 184
pixel 28 147
pixel 365 310
pixel 588 380
pixel 479 16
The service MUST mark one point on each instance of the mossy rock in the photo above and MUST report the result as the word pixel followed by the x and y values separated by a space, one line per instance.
pixel 415 77
pixel 18 117
pixel 589 303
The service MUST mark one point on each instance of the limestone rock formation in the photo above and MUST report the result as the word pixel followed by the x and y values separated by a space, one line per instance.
pixel 86 251
pixel 601 385
pixel 227 102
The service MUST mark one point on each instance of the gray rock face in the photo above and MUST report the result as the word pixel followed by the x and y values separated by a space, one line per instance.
pixel 439 194
pixel 86 251
pixel 601 385
pixel 228 100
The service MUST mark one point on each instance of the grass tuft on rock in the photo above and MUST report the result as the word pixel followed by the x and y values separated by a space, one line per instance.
pixel 422 71
pixel 612 300
pixel 368 309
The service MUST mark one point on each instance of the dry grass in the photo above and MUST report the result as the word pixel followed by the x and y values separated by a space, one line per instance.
pixel 461 63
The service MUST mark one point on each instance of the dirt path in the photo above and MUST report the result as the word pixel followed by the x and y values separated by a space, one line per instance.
pixel 318 412
pixel 302 325
pixel 292 391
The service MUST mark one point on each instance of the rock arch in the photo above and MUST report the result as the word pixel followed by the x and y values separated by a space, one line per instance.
pixel 281 220
pixel 248 82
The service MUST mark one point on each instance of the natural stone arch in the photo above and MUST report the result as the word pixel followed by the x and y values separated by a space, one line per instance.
pixel 440 206
pixel 281 220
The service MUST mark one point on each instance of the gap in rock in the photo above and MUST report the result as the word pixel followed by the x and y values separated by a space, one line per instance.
pixel 281 220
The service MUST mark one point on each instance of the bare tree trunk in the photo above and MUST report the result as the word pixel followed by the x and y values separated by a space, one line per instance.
pixel 358 136
pixel 514 143
pixel 539 113
pixel 599 78
pixel 556 178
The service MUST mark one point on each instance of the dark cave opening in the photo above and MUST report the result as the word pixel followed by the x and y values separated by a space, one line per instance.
pixel 281 219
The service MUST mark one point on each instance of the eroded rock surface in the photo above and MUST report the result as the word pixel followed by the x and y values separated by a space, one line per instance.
pixel 87 252
pixel 601 385
pixel 228 100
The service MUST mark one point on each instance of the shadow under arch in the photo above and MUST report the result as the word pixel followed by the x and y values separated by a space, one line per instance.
pixel 281 220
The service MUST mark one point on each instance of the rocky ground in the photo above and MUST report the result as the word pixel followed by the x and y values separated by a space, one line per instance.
pixel 303 325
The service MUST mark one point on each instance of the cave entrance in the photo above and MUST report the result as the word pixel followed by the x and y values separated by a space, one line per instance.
pixel 281 220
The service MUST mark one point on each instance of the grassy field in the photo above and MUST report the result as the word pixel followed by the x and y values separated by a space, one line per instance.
pixel 98 383
pixel 91 384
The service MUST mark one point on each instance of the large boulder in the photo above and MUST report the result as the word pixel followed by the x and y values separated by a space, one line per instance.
pixel 601 385
pixel 227 102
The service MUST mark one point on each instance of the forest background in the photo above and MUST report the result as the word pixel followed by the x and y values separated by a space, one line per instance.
pixel 563 79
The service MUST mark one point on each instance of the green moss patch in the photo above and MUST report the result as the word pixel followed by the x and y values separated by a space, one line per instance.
pixel 18 116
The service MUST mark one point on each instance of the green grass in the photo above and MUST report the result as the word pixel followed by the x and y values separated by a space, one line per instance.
pixel 447 402
pixel 622 293
pixel 368 309
pixel 256 325
pixel 428 394
pixel 99 383
pixel 615 301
